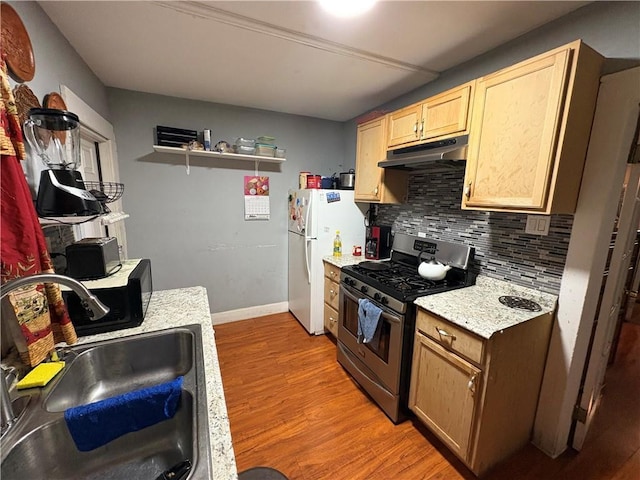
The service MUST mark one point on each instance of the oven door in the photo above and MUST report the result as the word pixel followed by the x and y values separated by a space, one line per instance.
pixel 383 361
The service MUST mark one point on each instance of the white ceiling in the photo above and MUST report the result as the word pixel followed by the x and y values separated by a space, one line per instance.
pixel 288 56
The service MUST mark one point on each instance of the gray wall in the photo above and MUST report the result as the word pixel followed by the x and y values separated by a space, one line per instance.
pixel 57 63
pixel 503 250
pixel 192 227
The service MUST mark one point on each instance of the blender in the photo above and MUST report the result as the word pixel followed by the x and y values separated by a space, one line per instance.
pixel 54 135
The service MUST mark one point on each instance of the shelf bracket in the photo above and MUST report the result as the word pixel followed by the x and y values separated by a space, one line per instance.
pixel 257 162
pixel 186 155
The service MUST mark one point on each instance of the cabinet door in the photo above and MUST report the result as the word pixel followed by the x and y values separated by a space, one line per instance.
pixel 516 123
pixel 370 150
pixel 404 126
pixel 331 320
pixel 446 114
pixel 443 393
pixel 331 293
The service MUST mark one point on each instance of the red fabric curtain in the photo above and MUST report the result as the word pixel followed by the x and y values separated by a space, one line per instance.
pixel 40 318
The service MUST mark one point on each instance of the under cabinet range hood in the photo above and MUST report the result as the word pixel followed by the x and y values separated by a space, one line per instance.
pixel 420 156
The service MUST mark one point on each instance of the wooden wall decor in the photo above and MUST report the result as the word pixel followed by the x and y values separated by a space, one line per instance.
pixel 16 45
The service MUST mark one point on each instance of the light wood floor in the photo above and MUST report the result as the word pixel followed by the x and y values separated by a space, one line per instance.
pixel 292 407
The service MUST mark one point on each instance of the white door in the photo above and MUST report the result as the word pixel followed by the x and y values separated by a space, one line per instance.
pixel 610 306
pixel 96 130
pixel 90 172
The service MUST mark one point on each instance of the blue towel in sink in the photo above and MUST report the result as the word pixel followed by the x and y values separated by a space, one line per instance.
pixel 96 424
pixel 368 317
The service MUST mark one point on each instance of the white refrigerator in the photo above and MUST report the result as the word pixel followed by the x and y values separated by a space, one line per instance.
pixel 314 217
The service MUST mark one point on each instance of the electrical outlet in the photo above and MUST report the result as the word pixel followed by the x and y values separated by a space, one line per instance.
pixel 422 235
pixel 538 224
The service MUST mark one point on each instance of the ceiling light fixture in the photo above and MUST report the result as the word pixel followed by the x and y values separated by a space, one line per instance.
pixel 347 8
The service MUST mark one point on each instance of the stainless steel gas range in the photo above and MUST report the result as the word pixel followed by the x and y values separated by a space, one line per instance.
pixel 383 368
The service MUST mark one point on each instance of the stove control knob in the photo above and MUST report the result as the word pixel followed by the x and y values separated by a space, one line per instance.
pixel 364 289
pixel 384 300
pixel 349 281
pixel 376 296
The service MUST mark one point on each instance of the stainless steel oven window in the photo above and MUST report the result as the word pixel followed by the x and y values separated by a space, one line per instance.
pixel 350 322
pixel 384 362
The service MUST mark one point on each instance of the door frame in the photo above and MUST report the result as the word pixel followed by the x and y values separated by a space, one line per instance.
pixel 607 320
pixel 611 137
pixel 99 129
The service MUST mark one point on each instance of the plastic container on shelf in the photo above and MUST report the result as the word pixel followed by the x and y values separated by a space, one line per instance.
pixel 280 152
pixel 265 140
pixel 245 150
pixel 265 150
pixel 245 142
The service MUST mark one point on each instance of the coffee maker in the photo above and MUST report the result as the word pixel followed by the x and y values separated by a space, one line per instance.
pixel 378 242
pixel 54 135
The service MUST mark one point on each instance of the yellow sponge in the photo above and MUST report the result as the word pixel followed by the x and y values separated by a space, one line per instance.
pixel 41 375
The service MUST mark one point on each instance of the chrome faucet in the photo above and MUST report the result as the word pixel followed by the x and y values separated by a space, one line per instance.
pixel 90 302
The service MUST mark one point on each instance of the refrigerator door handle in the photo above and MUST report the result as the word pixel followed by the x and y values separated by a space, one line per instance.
pixel 306 258
pixel 307 239
pixel 307 213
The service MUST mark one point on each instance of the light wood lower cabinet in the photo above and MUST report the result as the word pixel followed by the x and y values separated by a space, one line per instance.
pixel 478 396
pixel 331 297
pixel 441 387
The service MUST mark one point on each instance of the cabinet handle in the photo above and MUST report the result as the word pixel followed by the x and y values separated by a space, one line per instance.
pixel 444 333
pixel 332 273
pixel 332 292
pixel 332 320
pixel 421 127
pixel 415 129
pixel 472 383
pixel 467 190
pixel 376 191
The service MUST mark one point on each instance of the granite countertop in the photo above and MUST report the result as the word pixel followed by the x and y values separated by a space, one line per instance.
pixel 186 306
pixel 478 310
pixel 344 260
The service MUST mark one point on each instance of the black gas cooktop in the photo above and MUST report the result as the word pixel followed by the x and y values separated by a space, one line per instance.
pixel 398 277
pixel 402 281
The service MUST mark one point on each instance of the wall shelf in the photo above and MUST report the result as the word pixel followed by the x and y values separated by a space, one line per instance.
pixel 105 219
pixel 228 156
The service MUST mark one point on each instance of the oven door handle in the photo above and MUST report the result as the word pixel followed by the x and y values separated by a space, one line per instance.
pixel 347 291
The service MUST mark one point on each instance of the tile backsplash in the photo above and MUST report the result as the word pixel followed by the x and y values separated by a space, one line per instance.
pixel 502 249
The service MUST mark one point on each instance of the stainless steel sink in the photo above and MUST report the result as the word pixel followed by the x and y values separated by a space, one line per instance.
pixel 117 367
pixel 40 445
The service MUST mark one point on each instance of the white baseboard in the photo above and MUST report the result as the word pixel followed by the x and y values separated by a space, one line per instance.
pixel 249 312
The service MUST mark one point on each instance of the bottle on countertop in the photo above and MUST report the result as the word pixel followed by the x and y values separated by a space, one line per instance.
pixel 337 245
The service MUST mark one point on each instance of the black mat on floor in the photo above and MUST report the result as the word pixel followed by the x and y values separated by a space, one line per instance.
pixel 261 473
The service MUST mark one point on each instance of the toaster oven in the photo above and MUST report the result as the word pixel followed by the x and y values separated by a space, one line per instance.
pixel 127 294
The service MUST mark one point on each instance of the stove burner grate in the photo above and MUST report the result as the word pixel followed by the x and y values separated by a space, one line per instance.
pixel 520 303
pixel 374 266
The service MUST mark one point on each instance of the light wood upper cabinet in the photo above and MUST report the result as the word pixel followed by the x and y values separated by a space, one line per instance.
pixel 375 184
pixel 403 126
pixel 440 116
pixel 529 133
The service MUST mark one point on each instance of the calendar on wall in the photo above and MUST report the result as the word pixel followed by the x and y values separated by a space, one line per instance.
pixel 256 198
